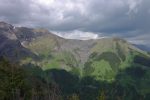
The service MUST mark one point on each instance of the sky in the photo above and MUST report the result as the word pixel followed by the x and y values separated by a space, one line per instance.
pixel 82 19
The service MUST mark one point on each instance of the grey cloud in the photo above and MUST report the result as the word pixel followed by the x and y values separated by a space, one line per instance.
pixel 14 11
pixel 123 18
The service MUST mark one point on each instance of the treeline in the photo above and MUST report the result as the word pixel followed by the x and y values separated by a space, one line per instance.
pixel 12 81
pixel 18 84
pixel 30 82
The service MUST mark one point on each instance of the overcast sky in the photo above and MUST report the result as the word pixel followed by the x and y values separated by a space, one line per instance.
pixel 82 19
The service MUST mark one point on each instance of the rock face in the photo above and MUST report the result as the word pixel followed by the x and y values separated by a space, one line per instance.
pixel 10 46
pixel 7 31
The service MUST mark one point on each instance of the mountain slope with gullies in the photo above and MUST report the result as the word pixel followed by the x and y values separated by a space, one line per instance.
pixel 97 57
pixel 110 66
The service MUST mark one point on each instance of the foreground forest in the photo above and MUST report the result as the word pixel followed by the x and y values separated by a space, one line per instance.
pixel 30 82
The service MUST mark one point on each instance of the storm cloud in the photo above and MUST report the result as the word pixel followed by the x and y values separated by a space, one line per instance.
pixel 128 19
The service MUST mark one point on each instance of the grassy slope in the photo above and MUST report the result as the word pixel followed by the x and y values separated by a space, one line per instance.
pixel 110 60
pixel 111 55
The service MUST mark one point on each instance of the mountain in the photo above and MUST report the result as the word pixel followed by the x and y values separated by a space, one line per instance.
pixel 84 57
pixel 108 59
pixel 143 47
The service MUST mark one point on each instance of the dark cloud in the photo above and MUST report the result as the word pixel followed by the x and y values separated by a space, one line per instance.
pixel 14 11
pixel 123 18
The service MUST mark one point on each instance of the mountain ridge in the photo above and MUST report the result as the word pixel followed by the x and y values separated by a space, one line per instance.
pixel 34 38
pixel 41 42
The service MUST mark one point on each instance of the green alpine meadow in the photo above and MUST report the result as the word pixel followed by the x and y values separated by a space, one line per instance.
pixel 36 64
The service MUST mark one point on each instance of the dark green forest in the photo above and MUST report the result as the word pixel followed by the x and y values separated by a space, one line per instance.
pixel 30 82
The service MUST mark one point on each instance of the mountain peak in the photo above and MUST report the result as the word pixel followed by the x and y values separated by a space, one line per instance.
pixel 7 31
pixel 6 26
